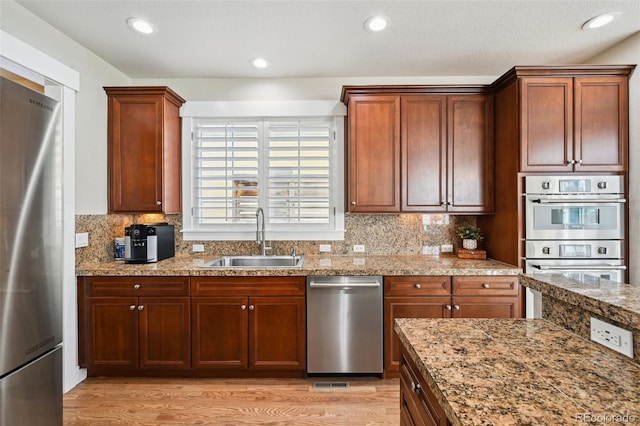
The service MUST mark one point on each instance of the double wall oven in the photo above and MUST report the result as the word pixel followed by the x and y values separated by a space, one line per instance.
pixel 575 225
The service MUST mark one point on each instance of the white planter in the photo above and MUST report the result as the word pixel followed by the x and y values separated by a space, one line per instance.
pixel 470 244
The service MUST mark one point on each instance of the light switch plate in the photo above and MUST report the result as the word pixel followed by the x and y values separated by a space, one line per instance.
pixel 358 248
pixel 82 239
pixel 325 248
pixel 198 248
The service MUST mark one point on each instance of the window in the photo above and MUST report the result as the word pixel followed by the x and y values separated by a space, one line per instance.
pixel 289 166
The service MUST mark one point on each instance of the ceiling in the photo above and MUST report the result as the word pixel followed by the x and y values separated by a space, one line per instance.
pixel 326 38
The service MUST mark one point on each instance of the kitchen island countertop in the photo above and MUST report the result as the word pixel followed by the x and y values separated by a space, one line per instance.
pixel 520 372
pixel 313 265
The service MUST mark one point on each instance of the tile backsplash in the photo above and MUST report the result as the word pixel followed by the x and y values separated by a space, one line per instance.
pixel 380 234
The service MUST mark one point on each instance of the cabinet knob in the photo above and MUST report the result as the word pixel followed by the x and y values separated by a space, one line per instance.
pixel 485 285
pixel 580 161
pixel 243 307
pixel 456 307
pixel 416 387
pixel 571 162
pixel 159 203
pixel 136 286
pixel 418 286
pixel 450 203
pixel 448 307
pixel 251 307
pixel 132 307
pixel 141 307
pixel 353 203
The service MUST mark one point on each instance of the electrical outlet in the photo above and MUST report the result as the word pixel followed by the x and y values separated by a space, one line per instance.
pixel 82 239
pixel 616 338
pixel 446 248
pixel 198 248
pixel 358 248
pixel 325 248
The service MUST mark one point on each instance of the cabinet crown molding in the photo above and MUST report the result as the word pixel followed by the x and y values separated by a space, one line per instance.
pixel 165 91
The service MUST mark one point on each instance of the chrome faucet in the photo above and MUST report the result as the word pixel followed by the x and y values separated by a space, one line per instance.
pixel 260 239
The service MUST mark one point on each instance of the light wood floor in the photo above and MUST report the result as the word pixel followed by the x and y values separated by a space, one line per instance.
pixel 156 401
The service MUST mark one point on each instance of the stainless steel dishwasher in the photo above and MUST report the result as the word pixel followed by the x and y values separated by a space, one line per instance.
pixel 344 325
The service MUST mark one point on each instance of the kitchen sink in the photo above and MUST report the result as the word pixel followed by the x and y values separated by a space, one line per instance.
pixel 255 262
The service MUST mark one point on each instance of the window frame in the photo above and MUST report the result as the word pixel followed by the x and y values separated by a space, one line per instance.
pixel 276 110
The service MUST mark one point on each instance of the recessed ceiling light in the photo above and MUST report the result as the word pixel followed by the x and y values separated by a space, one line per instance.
pixel 259 63
pixel 377 23
pixel 141 25
pixel 601 20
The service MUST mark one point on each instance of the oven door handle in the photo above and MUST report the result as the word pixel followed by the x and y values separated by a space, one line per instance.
pixel 578 201
pixel 579 267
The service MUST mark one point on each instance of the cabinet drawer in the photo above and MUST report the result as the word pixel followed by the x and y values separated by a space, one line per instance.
pixel 485 286
pixel 421 403
pixel 417 286
pixel 253 286
pixel 137 286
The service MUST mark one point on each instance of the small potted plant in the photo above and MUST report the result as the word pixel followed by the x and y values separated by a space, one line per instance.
pixel 470 236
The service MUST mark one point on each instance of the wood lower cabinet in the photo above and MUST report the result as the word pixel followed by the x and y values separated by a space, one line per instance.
pixel 444 297
pixel 130 324
pixel 418 404
pixel 249 324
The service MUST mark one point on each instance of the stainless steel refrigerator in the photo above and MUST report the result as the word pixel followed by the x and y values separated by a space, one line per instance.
pixel 30 258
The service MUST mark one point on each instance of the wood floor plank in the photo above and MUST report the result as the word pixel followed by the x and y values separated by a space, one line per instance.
pixel 233 402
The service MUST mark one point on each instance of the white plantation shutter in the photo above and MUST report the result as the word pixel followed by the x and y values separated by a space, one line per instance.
pixel 226 169
pixel 287 166
pixel 299 171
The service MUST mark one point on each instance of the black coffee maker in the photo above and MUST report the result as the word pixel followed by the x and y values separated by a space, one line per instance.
pixel 148 243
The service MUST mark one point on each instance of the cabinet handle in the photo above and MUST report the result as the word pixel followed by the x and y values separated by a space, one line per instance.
pixel 485 285
pixel 136 286
pixel 141 307
pixel 418 286
pixel 448 307
pixel 353 203
pixel 251 307
pixel 132 307
pixel 243 307
pixel 159 203
pixel 456 307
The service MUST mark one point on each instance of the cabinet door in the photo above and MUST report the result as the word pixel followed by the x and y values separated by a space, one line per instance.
pixel 601 123
pixel 135 153
pixel 486 307
pixel 277 333
pixel 165 338
pixel 219 332
pixel 407 307
pixel 112 333
pixel 374 154
pixel 546 125
pixel 424 153
pixel 470 154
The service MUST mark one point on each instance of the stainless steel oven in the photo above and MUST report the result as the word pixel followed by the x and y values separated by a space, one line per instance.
pixel 584 207
pixel 575 226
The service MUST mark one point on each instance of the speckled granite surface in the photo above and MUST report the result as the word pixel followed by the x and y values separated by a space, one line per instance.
pixel 609 299
pixel 313 265
pixel 520 372
pixel 571 302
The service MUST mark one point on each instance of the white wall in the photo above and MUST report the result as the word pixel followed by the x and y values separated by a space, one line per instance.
pixel 628 52
pixel 91 101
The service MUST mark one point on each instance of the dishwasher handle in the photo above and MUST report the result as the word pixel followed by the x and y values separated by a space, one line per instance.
pixel 343 283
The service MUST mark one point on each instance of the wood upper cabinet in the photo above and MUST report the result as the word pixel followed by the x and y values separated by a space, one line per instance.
pixel 249 323
pixel 374 154
pixel 144 150
pixel 125 327
pixel 574 124
pixel 423 152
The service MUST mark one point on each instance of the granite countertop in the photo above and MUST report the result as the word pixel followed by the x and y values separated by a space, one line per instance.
pixel 614 300
pixel 520 372
pixel 313 265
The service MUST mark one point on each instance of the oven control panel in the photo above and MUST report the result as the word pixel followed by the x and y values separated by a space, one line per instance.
pixel 570 249
pixel 574 184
